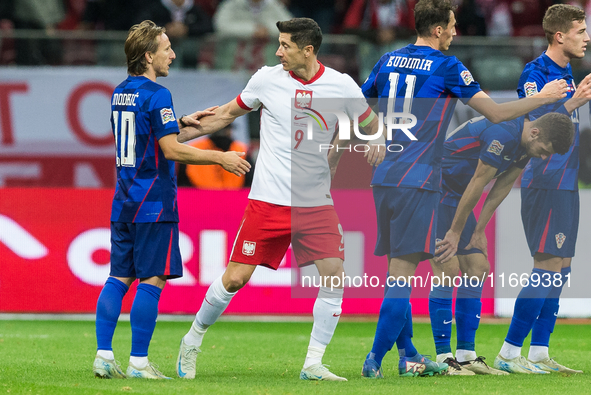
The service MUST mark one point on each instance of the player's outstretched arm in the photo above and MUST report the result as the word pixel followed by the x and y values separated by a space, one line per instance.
pixel 211 121
pixel 495 112
pixel 449 245
pixel 193 119
pixel 231 161
pixel 582 95
pixel 497 194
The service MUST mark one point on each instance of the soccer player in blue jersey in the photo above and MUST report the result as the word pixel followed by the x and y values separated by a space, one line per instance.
pixel 474 154
pixel 144 217
pixel 549 200
pixel 421 80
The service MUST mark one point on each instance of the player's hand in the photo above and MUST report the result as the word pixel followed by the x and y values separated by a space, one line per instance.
pixel 233 163
pixel 376 154
pixel 447 248
pixel 584 89
pixel 193 119
pixel 479 241
pixel 554 90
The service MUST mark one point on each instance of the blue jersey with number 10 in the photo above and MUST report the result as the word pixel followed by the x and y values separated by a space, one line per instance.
pixel 424 82
pixel 141 114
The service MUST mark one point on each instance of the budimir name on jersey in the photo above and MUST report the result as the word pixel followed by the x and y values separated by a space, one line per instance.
pixel 409 63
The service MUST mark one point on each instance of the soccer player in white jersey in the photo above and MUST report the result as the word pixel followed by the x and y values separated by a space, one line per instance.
pixel 280 193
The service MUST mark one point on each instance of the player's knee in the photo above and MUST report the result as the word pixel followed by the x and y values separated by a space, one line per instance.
pixel 475 265
pixel 482 269
pixel 234 281
pixel 331 267
pixel 234 284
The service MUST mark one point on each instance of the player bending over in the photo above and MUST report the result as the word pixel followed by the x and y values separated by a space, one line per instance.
pixel 474 154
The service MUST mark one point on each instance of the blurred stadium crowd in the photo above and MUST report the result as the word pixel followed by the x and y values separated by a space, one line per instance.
pixel 381 22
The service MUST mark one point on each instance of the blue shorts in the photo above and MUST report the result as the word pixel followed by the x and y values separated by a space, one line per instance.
pixel 407 220
pixel 550 220
pixel 444 220
pixel 143 250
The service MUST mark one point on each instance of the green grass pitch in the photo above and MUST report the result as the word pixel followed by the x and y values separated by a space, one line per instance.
pixel 55 357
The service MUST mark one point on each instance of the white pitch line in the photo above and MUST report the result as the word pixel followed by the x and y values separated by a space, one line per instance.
pixel 161 317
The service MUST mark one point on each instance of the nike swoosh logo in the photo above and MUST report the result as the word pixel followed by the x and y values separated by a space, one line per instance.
pixel 446 322
pixel 341 248
pixel 336 315
pixel 506 157
pixel 555 315
pixel 297 118
pixel 180 372
pixel 478 316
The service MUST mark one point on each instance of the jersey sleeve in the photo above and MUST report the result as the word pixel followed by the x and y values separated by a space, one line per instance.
pixel 355 103
pixel 250 98
pixel 496 142
pixel 369 87
pixel 459 80
pixel 162 117
pixel 532 80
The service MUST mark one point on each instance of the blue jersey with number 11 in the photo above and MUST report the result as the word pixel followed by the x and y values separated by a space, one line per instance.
pixel 141 114
pixel 424 82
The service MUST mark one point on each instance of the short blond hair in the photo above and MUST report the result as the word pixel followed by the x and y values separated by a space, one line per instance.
pixel 142 38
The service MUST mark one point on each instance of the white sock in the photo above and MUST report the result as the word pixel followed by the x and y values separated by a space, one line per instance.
pixel 106 354
pixel 442 357
pixel 327 311
pixel 465 355
pixel 509 351
pixel 314 356
pixel 215 302
pixel 538 353
pixel 138 362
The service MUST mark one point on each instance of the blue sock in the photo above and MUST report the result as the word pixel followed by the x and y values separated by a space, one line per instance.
pixel 108 308
pixel 391 320
pixel 143 318
pixel 544 325
pixel 468 307
pixel 440 299
pixel 527 308
pixel 404 341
